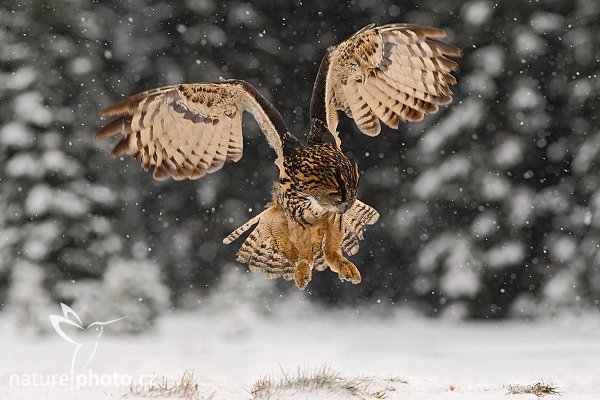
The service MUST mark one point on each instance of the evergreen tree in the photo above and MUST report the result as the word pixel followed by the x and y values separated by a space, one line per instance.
pixel 60 223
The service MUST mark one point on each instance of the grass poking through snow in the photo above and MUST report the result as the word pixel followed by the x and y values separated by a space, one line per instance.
pixel 185 388
pixel 318 380
pixel 539 389
pixel 322 382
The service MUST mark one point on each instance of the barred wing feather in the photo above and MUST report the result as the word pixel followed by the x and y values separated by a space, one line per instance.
pixel 391 73
pixel 189 130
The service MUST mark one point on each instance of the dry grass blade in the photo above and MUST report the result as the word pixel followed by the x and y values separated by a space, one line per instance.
pixel 186 388
pixel 539 389
pixel 320 379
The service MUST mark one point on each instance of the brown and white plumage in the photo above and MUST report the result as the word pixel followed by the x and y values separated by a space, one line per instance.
pixel 186 131
pixel 392 73
pixel 261 251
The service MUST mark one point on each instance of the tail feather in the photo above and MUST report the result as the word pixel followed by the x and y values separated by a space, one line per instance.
pixel 260 249
pixel 237 233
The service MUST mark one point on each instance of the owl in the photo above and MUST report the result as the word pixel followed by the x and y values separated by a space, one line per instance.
pixel 391 74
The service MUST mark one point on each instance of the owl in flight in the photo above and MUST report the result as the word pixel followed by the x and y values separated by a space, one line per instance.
pixel 390 73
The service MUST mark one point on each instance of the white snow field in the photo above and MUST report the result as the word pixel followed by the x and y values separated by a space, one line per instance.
pixel 396 356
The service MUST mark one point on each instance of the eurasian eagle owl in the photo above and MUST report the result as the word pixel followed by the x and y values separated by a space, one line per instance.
pixel 390 73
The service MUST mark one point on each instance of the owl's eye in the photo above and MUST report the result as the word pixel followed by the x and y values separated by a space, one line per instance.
pixel 335 197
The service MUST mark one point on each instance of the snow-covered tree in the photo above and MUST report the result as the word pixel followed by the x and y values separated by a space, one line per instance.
pixel 61 222
pixel 131 289
pixel 503 200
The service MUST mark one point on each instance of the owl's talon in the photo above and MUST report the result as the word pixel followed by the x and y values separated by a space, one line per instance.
pixel 303 274
pixel 348 272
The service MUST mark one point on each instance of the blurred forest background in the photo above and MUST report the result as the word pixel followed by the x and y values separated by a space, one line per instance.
pixel 489 209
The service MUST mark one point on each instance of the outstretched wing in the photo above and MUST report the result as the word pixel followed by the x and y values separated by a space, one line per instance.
pixel 186 131
pixel 392 73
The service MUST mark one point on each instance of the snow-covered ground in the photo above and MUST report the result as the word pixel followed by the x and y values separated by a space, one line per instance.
pixel 229 350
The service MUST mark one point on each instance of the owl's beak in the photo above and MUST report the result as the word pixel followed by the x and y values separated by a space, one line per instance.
pixel 342 207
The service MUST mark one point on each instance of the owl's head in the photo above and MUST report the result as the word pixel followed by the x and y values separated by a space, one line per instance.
pixel 325 175
pixel 337 190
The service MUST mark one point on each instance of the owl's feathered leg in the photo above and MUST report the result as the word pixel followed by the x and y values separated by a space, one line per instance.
pixel 332 249
pixel 280 247
pixel 279 231
pixel 302 240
